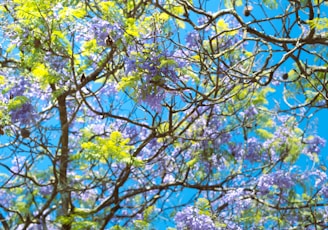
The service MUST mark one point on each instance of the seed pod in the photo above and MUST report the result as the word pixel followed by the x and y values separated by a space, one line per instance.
pixel 25 133
pixel 1 131
pixel 285 76
pixel 248 10
pixel 37 43
pixel 109 41
pixel 82 78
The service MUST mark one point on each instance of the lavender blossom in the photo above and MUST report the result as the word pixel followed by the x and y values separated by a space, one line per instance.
pixel 25 113
pixel 250 112
pixel 314 144
pixel 254 147
pixel 279 178
pixel 324 191
pixel 189 218
pixel 192 39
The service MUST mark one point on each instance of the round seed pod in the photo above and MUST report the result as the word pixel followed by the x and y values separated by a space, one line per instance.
pixel 285 76
pixel 248 10
pixel 25 133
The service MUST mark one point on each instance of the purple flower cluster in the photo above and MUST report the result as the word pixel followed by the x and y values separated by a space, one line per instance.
pixel 204 20
pixel 314 144
pixel 192 39
pixel 25 113
pixel 189 218
pixel 250 112
pixel 155 75
pixel 18 164
pixel 57 63
pixel 281 179
pixel 319 176
pixel 101 29
pixel 254 148
pixel 46 190
pixel 324 191
pixel 6 198
pixel 233 195
pixel 228 41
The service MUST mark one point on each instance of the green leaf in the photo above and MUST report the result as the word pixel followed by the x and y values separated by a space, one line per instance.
pixel 2 80
pixel 264 134
pixel 115 147
pixel 69 13
pixel 41 72
pixel 192 162
pixel 106 6
pixel 272 4
pixel 17 102
pixel 84 224
pixel 166 62
pixel 230 3
pixel 117 227
pixel 318 23
pixel 89 46
pixel 128 82
pixel 65 219
pixel 260 98
pixel 141 224
pixel 148 212
pixel 132 29
pixel 163 128
pixel 204 206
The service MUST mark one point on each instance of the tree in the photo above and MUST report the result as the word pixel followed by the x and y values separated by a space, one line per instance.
pixel 135 114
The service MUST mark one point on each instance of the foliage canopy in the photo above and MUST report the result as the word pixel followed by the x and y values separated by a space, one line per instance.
pixel 142 114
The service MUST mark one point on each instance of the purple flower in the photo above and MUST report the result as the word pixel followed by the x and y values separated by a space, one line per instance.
pixel 314 144
pixel 305 30
pixel 23 114
pixel 204 20
pixel 101 29
pixel 192 39
pixel 232 196
pixel 189 218
pixel 168 178
pixel 279 178
pixel 57 63
pixel 180 57
pixel 21 86
pixel 153 100
pixel 18 164
pixel 324 191
pixel 46 190
pixel 253 153
pixel 250 112
pixel 6 197
pixel 319 176
pixel 156 73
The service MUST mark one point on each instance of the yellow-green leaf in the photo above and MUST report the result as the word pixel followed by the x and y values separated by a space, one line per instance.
pixel 17 102
pixel 2 80
pixel 264 133
pixel 132 29
pixel 106 6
